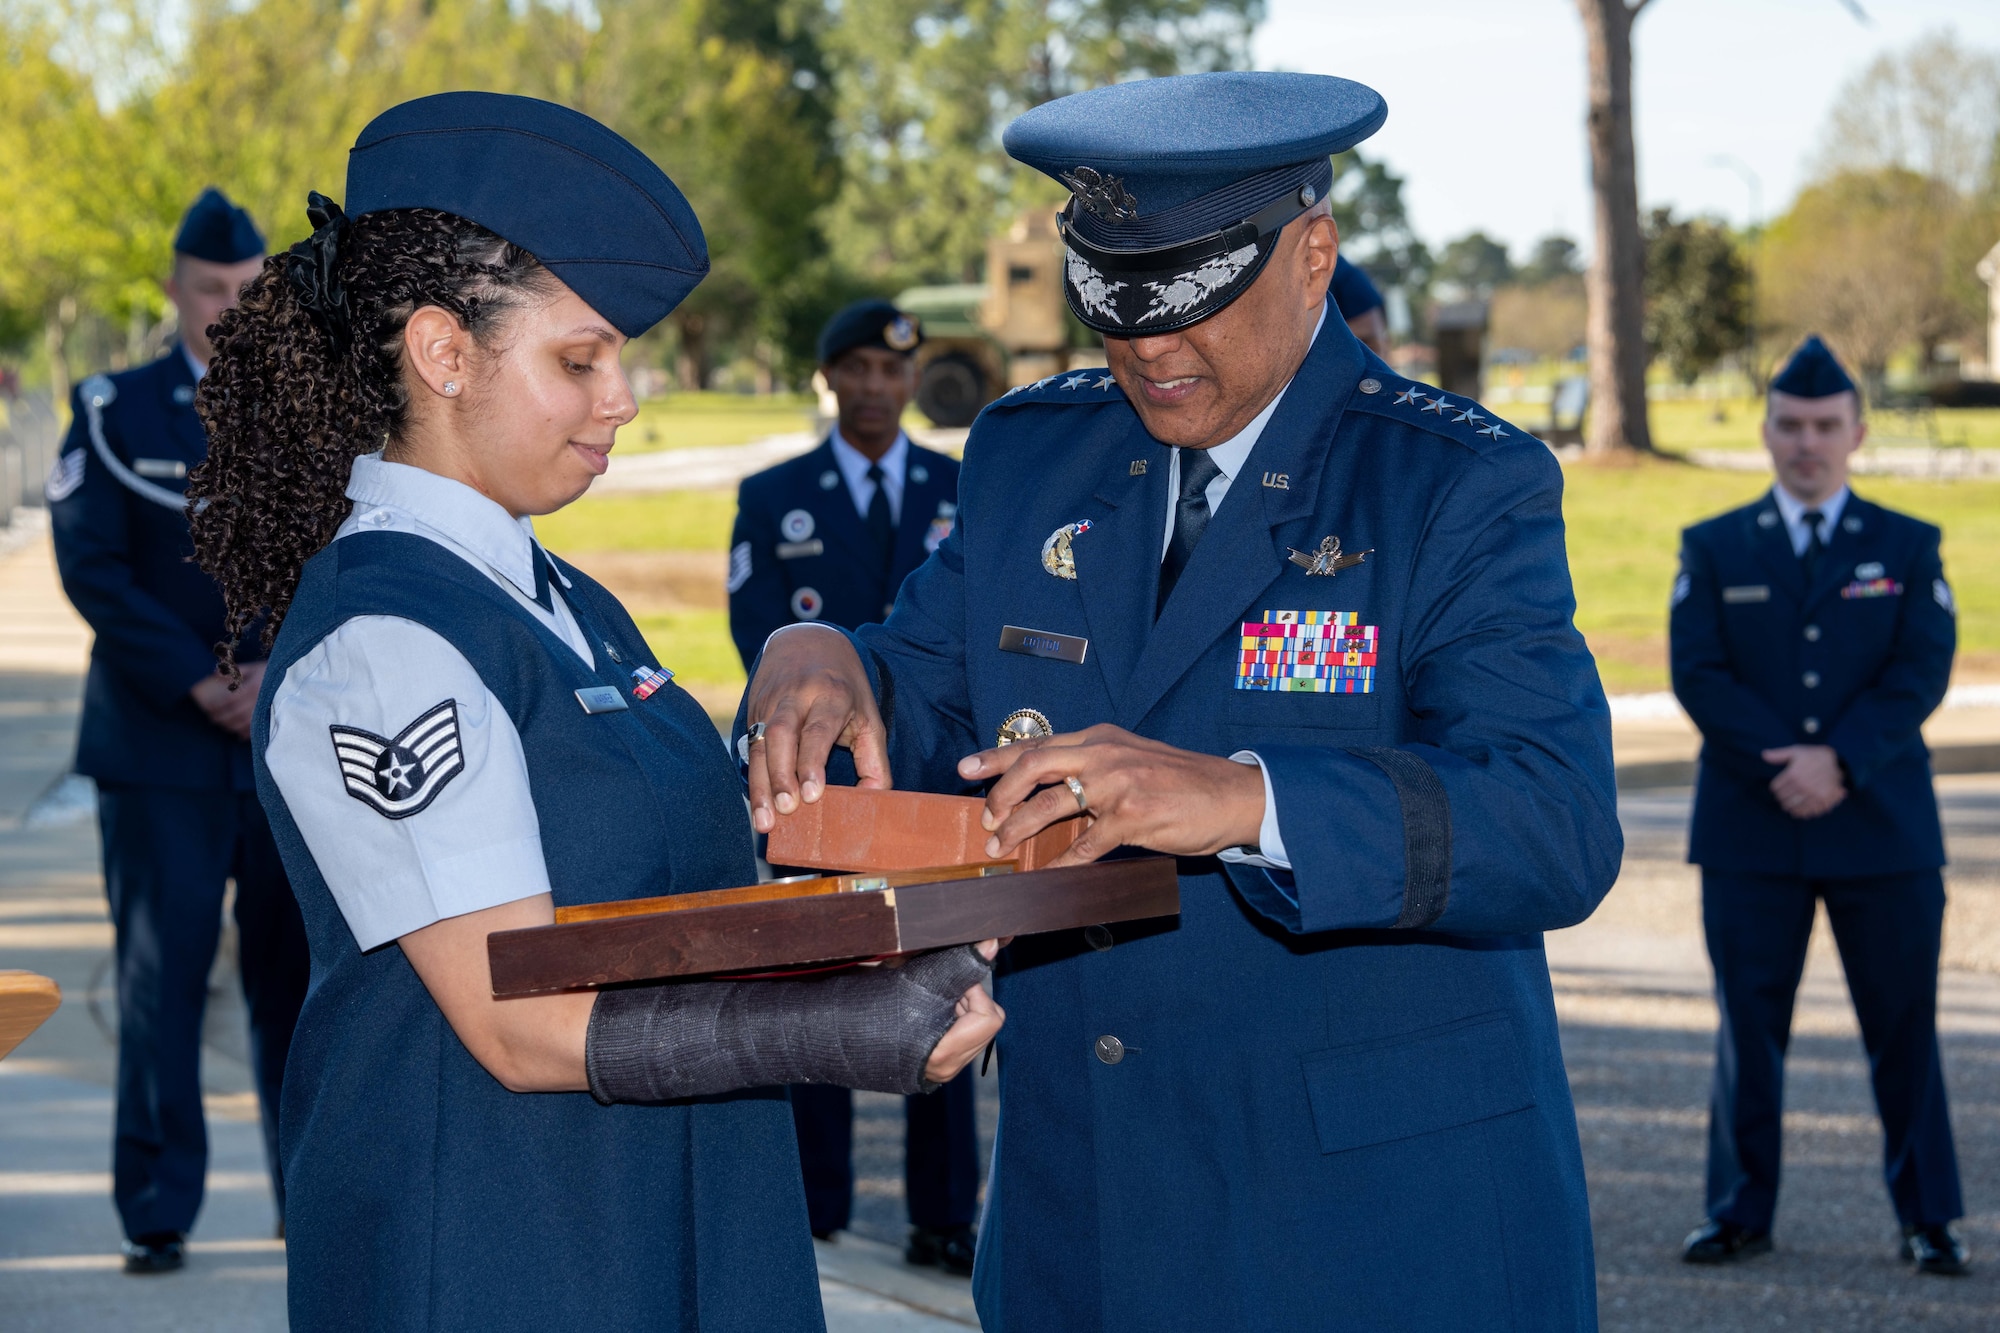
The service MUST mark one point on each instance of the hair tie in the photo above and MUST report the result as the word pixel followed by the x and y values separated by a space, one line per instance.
pixel 312 266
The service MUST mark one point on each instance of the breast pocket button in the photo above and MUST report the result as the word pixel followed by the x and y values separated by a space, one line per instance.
pixel 1109 1049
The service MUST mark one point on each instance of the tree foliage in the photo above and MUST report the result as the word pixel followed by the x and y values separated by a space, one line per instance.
pixel 829 146
pixel 1697 293
pixel 1475 263
pixel 1878 252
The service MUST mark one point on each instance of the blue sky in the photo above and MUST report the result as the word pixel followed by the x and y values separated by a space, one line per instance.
pixel 1486 96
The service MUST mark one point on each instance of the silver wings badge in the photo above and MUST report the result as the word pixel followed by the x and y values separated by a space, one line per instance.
pixel 1327 559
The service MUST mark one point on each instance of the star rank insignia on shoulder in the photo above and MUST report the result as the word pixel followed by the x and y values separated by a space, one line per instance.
pixel 1092 384
pixel 1429 406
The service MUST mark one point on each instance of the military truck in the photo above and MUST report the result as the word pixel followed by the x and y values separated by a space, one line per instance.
pixel 981 339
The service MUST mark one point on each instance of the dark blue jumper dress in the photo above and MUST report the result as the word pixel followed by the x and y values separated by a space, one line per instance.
pixel 423 1195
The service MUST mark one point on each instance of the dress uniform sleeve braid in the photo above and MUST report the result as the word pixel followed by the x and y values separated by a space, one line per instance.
pixel 1426 834
pixel 287 413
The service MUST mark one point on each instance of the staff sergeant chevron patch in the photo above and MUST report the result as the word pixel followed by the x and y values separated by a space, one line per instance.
pixel 399 777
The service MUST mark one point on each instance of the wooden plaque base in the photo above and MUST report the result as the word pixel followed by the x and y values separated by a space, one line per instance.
pixel 784 925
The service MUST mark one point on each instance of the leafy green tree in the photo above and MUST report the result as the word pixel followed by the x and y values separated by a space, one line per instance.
pixel 924 87
pixel 1554 257
pixel 1375 229
pixel 1697 293
pixel 1474 262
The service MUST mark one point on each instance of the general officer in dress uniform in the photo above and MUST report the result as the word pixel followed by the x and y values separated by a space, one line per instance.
pixel 167 741
pixel 1361 305
pixel 1307 626
pixel 830 536
pixel 1812 635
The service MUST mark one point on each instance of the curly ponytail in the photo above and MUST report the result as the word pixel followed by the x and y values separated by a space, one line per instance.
pixel 287 413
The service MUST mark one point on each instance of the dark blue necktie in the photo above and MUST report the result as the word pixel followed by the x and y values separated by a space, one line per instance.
pixel 1814 546
pixel 1190 518
pixel 543 597
pixel 881 530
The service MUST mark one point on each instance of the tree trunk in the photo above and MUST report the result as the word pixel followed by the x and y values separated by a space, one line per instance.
pixel 1615 286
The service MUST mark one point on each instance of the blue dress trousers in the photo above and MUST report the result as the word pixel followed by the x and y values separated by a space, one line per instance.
pixel 425 1196
pixel 1333 1097
pixel 176 801
pixel 832 571
pixel 1854 656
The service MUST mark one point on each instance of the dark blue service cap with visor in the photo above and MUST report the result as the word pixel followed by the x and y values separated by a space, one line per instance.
pixel 1179 185
pixel 1813 372
pixel 594 209
pixel 218 231
pixel 872 323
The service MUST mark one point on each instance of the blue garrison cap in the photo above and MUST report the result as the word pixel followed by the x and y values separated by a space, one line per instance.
pixel 1813 372
pixel 218 231
pixel 872 323
pixel 1354 293
pixel 1178 185
pixel 590 206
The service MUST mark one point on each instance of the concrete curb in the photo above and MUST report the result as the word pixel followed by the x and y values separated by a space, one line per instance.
pixel 1977 758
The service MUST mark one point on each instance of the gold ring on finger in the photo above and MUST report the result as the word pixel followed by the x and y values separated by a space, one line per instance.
pixel 757 731
pixel 1076 789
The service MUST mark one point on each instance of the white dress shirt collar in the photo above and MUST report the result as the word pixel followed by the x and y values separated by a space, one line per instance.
pixel 195 367
pixel 854 465
pixel 1793 511
pixel 505 544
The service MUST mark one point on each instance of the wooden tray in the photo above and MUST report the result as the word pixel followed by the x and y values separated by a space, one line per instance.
pixel 794 923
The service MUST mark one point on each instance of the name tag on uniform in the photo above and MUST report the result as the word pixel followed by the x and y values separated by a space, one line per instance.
pixel 602 699
pixel 160 467
pixel 1749 592
pixel 1043 643
pixel 793 550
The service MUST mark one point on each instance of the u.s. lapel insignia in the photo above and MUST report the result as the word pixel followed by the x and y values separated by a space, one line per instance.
pixel 1327 560
pixel 1056 557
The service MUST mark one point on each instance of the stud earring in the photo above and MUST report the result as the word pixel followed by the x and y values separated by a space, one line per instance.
pixel 451 386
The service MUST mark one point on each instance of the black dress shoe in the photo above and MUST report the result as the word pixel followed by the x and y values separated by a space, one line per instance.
pixel 1718 1242
pixel 949 1248
pixel 823 1235
pixel 156 1252
pixel 1936 1250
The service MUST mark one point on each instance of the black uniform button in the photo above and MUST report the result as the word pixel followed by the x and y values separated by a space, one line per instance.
pixel 1812 726
pixel 1110 1049
pixel 1811 680
pixel 1812 633
pixel 1097 937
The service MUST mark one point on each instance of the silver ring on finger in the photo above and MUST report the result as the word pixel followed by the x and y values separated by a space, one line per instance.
pixel 1076 789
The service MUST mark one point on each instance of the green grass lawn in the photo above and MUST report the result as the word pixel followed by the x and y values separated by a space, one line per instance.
pixel 697 420
pixel 1679 426
pixel 666 521
pixel 1624 525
